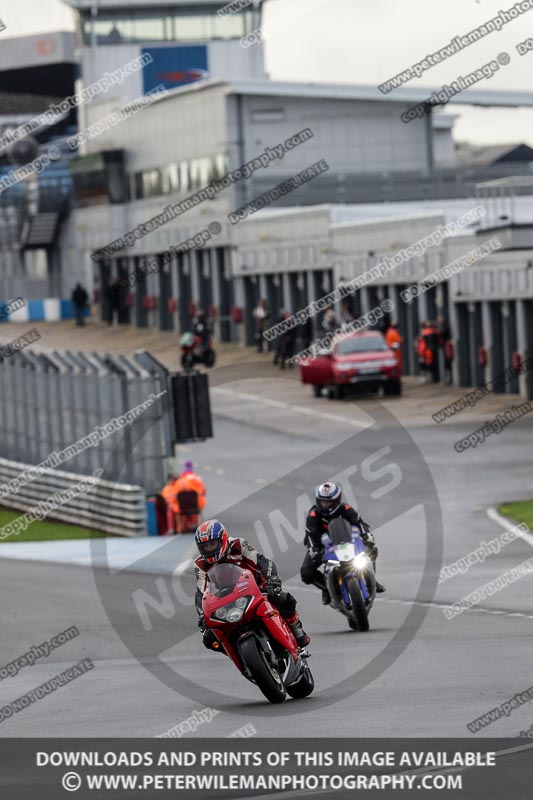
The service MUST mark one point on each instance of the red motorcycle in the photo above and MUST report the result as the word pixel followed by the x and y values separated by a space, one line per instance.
pixel 195 351
pixel 254 634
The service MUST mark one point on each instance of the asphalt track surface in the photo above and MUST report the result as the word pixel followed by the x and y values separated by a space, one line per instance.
pixel 415 674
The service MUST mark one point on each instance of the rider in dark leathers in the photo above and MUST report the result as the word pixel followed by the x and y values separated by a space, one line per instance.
pixel 329 506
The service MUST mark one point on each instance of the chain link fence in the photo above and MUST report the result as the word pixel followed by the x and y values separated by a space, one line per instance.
pixel 51 401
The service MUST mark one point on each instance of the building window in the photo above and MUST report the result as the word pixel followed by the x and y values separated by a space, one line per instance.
pixel 233 26
pixel 182 177
pixel 195 173
pixel 222 164
pixel 171 179
pixel 149 29
pixel 192 28
pixel 100 178
pixel 138 26
pixel 151 183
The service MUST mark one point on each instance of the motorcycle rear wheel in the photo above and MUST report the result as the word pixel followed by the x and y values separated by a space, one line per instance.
pixel 359 615
pixel 209 358
pixel 262 672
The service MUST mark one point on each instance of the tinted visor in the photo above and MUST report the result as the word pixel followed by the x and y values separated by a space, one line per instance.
pixel 325 505
pixel 209 548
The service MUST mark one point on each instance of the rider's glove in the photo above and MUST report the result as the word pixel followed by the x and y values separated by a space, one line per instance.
pixel 366 536
pixel 313 552
pixel 201 622
pixel 273 586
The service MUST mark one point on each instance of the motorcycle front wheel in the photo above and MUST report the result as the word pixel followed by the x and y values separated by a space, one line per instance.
pixel 266 677
pixel 359 615
pixel 304 686
pixel 187 361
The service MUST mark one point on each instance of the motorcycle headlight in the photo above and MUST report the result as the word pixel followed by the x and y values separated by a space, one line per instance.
pixel 234 614
pixel 361 561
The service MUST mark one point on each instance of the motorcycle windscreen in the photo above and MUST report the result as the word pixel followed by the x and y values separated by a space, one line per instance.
pixel 339 531
pixel 222 579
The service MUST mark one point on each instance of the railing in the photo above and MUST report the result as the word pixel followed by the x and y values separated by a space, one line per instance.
pixel 115 410
pixel 387 187
pixel 104 505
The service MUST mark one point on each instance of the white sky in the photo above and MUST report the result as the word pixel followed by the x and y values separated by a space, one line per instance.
pixel 366 42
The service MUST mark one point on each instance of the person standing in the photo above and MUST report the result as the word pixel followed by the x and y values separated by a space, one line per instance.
pixel 329 321
pixel 113 291
pixel 307 333
pixel 180 519
pixel 79 299
pixel 420 347
pixel 394 340
pixel 260 315
pixel 168 493
pixel 430 335
pixel 187 485
pixel 445 341
pixel 285 343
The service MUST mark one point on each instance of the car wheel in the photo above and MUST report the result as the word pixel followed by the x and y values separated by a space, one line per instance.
pixel 393 388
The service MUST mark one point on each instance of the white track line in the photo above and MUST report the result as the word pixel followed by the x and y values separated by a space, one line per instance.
pixel 473 609
pixel 525 535
pixel 288 407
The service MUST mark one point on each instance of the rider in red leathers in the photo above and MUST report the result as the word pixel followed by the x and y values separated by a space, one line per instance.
pixel 215 547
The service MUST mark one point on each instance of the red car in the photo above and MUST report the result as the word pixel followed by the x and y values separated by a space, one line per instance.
pixel 360 359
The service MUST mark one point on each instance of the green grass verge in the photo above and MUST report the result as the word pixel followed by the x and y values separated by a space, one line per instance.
pixel 521 511
pixel 46 531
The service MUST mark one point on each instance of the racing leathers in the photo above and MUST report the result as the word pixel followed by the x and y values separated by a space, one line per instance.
pixel 241 552
pixel 316 525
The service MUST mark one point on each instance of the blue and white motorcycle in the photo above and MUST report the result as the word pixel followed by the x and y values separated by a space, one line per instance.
pixel 349 573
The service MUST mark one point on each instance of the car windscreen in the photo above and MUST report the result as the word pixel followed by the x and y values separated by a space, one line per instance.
pixel 363 344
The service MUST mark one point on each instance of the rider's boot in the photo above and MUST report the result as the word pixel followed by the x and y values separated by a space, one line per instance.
pixel 302 639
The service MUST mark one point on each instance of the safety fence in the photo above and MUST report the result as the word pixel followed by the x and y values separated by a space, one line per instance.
pixel 92 502
pixel 80 413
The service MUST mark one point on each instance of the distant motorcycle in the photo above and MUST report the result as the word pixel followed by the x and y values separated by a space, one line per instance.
pixel 195 351
pixel 349 573
pixel 254 634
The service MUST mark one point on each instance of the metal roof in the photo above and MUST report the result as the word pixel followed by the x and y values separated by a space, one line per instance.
pixel 149 5
pixel 345 216
pixel 333 91
pixel 482 155
pixel 481 97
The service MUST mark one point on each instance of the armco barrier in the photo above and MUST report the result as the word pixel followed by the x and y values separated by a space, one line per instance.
pixel 110 507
